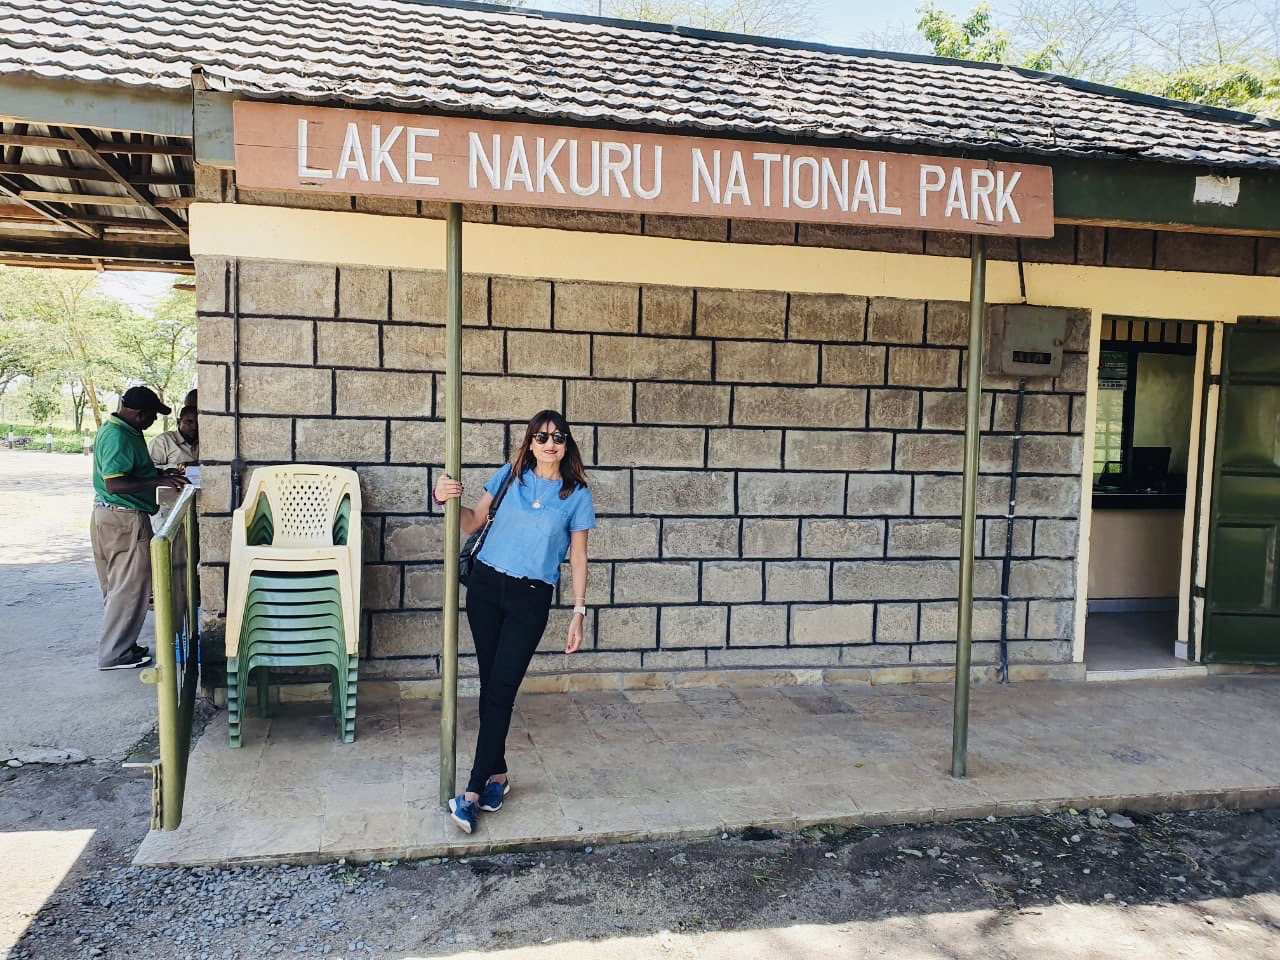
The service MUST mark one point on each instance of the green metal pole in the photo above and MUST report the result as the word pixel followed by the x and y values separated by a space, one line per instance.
pixel 165 677
pixel 191 636
pixel 969 509
pixel 452 532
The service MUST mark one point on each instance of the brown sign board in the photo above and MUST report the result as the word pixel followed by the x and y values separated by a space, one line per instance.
pixel 367 153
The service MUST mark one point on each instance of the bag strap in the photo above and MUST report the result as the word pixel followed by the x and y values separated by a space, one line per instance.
pixel 493 509
pixel 497 501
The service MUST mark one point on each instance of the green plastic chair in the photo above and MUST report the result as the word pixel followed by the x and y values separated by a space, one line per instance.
pixel 291 621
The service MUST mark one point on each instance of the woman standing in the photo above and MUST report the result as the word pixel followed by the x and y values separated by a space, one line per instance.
pixel 546 510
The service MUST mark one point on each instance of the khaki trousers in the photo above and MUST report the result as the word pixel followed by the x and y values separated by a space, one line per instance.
pixel 122 553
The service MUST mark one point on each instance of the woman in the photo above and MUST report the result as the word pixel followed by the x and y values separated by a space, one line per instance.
pixel 546 510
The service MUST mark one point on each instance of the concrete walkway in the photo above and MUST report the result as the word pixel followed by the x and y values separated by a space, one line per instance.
pixel 590 768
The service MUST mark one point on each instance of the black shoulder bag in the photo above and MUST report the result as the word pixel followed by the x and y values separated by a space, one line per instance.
pixel 467 555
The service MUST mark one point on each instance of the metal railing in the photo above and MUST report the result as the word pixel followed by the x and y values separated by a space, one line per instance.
pixel 174 561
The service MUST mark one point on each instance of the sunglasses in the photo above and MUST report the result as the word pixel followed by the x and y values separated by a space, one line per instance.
pixel 542 436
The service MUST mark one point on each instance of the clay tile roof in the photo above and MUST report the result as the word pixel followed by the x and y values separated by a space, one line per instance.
pixel 439 57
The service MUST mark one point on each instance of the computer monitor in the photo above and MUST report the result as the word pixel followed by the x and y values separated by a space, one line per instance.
pixel 1149 467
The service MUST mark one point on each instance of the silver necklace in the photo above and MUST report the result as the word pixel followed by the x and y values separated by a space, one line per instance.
pixel 537 497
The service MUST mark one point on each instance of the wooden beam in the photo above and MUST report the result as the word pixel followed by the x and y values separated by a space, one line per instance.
pixel 16 211
pixel 175 203
pixel 26 140
pixel 11 189
pixel 104 250
pixel 154 149
pixel 121 177
pixel 144 228
pixel 81 174
pixel 124 222
pixel 82 199
pixel 72 263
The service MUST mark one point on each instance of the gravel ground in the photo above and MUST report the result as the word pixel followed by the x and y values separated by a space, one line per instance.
pixel 1187 884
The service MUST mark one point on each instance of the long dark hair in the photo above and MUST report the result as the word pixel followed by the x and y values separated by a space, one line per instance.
pixel 572 475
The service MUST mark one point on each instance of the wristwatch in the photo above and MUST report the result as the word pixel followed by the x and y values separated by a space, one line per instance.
pixel 580 609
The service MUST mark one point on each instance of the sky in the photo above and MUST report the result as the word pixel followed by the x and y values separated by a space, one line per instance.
pixel 138 289
pixel 846 23
pixel 850 22
pixel 857 23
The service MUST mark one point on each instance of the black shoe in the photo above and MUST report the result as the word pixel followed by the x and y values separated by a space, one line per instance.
pixel 130 661
pixel 140 650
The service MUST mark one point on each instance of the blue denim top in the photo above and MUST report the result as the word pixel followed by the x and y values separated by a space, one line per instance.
pixel 528 541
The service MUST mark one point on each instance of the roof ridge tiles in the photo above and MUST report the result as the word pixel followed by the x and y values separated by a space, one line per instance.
pixel 425 55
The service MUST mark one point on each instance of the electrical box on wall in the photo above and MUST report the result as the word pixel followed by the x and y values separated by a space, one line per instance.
pixel 1027 341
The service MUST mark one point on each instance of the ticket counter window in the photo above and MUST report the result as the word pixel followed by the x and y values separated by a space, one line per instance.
pixel 1142 438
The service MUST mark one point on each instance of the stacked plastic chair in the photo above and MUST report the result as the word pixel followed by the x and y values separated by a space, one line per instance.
pixel 293 585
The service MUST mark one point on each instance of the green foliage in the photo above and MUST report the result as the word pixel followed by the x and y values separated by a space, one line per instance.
pixel 64 441
pixel 66 343
pixel 14 361
pixel 42 401
pixel 1235 86
pixel 1222 53
pixel 159 349
pixel 975 38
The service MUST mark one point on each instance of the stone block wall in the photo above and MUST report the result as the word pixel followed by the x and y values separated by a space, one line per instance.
pixel 776 475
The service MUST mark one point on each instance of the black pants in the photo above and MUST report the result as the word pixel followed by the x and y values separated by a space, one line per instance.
pixel 507 617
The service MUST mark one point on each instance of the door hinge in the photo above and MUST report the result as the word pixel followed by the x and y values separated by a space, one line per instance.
pixel 1215 379
pixel 1198 591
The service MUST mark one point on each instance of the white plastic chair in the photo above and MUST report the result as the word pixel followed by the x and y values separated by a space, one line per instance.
pixel 304 502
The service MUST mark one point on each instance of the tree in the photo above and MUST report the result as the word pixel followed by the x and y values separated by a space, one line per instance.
pixel 158 349
pixel 65 340
pixel 42 402
pixel 1236 86
pixel 971 39
pixel 1093 39
pixel 974 38
pixel 1223 53
pixel 14 362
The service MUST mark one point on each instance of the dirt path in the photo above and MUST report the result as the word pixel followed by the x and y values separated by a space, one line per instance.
pixel 52 696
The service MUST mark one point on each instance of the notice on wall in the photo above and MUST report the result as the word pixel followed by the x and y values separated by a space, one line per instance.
pixel 359 152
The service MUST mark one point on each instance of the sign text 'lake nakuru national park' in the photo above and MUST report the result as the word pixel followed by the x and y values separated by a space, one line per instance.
pixel 368 153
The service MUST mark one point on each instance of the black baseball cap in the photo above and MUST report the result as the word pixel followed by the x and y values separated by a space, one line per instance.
pixel 144 399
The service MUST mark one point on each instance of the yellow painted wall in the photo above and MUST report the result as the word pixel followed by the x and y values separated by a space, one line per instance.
pixel 326 236
pixel 1135 553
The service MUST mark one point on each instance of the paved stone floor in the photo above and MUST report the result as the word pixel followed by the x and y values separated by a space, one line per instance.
pixel 592 768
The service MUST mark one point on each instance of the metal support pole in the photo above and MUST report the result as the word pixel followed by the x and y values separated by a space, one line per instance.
pixel 452 531
pixel 190 637
pixel 165 676
pixel 969 509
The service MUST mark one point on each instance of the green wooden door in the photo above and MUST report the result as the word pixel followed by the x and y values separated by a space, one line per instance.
pixel 1242 603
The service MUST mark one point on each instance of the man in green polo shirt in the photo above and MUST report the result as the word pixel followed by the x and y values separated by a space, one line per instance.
pixel 124 486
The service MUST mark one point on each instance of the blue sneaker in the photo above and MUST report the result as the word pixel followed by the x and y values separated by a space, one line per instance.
pixel 492 794
pixel 463 812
